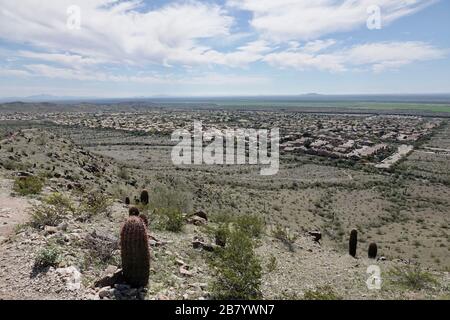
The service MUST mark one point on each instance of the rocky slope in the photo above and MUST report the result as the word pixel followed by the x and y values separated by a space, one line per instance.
pixel 88 248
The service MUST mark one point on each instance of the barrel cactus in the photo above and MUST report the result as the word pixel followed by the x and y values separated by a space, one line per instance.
pixel 373 250
pixel 144 197
pixel 135 252
pixel 353 242
pixel 133 211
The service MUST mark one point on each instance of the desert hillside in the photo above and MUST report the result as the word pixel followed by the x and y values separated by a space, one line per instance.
pixel 62 205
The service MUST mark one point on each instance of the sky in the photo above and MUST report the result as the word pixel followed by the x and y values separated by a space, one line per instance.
pixel 137 48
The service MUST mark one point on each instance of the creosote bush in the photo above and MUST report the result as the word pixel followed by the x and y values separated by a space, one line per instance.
pixel 237 269
pixel 411 277
pixel 284 236
pixel 251 224
pixel 165 198
pixel 170 219
pixel 61 203
pixel 28 185
pixel 95 203
pixel 49 256
pixel 321 293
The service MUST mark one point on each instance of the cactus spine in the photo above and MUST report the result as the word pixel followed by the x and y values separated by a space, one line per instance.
pixel 134 252
pixel 144 197
pixel 373 250
pixel 353 242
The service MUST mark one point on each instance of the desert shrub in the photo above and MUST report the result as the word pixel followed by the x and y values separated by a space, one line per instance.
pixel 251 224
pixel 49 256
pixel 165 198
pixel 284 236
pixel 94 204
pixel 169 219
pixel 43 214
pixel 123 173
pixel 237 269
pixel 321 293
pixel 101 249
pixel 411 277
pixel 221 234
pixel 272 264
pixel 28 185
pixel 61 202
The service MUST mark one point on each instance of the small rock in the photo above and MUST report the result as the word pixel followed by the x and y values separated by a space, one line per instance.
pixel 122 287
pixel 185 272
pixel 73 277
pixel 104 292
pixel 198 221
pixel 201 214
pixel 180 262
pixel 50 230
pixel 317 235
pixel 63 226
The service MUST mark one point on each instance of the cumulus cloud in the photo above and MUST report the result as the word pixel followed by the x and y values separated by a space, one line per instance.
pixel 284 20
pixel 116 31
pixel 128 35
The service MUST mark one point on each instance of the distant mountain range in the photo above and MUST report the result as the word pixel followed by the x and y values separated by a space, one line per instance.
pixel 410 98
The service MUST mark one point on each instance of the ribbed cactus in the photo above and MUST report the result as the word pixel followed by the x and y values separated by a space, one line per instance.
pixel 133 211
pixel 353 242
pixel 134 252
pixel 127 201
pixel 373 250
pixel 144 219
pixel 144 197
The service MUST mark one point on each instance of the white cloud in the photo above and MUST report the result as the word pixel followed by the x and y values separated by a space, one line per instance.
pixel 213 79
pixel 284 20
pixel 378 56
pixel 116 31
pixel 125 35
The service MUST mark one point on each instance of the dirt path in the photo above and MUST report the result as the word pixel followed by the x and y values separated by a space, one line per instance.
pixel 12 209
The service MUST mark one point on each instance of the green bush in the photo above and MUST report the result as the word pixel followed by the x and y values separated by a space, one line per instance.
pixel 49 256
pixel 170 219
pixel 165 198
pixel 28 185
pixel 251 224
pixel 221 234
pixel 411 277
pixel 95 203
pixel 61 202
pixel 237 269
pixel 43 214
pixel 321 293
pixel 284 236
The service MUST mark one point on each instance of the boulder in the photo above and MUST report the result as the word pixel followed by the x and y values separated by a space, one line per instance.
pixel 50 230
pixel 316 235
pixel 201 214
pixel 198 221
pixel 72 277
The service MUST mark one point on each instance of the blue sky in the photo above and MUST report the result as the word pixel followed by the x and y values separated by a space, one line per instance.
pixel 223 47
